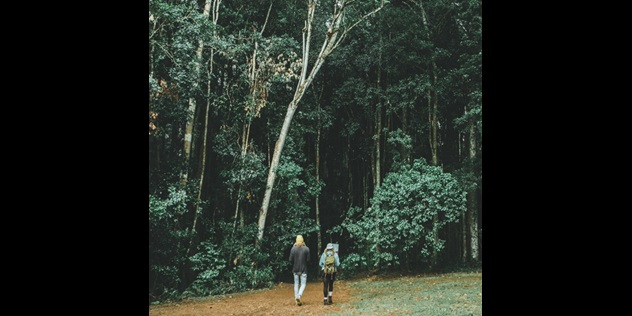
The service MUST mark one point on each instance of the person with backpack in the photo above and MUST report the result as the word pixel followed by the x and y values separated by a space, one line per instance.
pixel 299 256
pixel 329 264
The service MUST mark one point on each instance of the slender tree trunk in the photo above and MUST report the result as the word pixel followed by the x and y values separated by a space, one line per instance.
pixel 255 88
pixel 236 210
pixel 318 183
pixel 463 217
pixel 433 121
pixel 152 47
pixel 349 173
pixel 473 201
pixel 188 135
pixel 378 129
pixel 245 135
pixel 365 192
pixel 464 247
pixel 330 43
pixel 378 138
pixel 317 202
pixel 207 8
pixel 405 151
pixel 432 118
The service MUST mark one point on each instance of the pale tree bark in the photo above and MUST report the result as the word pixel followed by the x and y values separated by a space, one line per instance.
pixel 472 198
pixel 378 140
pixel 336 32
pixel 317 202
pixel 152 49
pixel 378 128
pixel 255 88
pixel 188 134
pixel 207 6
pixel 320 246
pixel 464 248
pixel 406 152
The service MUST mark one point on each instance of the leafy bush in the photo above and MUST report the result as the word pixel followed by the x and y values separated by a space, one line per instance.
pixel 406 210
pixel 165 234
pixel 208 262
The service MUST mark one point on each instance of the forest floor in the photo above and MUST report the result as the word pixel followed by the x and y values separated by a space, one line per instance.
pixel 444 294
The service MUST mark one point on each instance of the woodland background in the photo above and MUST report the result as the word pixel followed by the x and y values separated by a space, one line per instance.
pixel 354 122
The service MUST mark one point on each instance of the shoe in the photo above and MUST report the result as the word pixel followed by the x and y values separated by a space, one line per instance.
pixel 329 300
pixel 326 302
pixel 298 301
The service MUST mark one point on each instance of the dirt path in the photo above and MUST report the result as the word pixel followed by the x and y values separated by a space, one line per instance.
pixel 278 300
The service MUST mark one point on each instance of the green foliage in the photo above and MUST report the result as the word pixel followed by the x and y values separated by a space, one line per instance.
pixel 400 223
pixel 343 101
pixel 208 263
pixel 248 267
pixel 166 234
pixel 401 144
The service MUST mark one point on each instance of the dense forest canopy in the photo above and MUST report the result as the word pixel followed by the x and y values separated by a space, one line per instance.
pixel 353 122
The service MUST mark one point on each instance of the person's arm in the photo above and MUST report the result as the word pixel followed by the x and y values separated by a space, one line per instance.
pixel 292 255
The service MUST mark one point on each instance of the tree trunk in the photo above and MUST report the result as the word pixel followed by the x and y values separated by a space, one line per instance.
pixel 255 88
pixel 472 199
pixel 432 119
pixel 365 192
pixel 330 43
pixel 350 174
pixel 378 140
pixel 378 129
pixel 188 135
pixel 318 183
pixel 405 151
pixel 464 229
pixel 378 137
pixel 317 202
pixel 207 7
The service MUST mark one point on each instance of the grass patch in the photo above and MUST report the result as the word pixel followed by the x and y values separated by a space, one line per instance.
pixel 449 294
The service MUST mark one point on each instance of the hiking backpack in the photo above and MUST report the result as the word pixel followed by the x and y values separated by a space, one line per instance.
pixel 330 261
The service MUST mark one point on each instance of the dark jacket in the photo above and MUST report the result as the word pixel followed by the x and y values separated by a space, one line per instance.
pixel 300 257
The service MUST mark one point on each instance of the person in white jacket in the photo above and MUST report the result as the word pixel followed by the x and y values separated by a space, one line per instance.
pixel 329 270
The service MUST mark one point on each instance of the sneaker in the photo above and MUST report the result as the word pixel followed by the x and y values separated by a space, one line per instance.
pixel 298 301
pixel 325 302
pixel 329 300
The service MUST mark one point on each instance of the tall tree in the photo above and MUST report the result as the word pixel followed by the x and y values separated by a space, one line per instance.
pixel 472 199
pixel 188 135
pixel 336 32
pixel 432 97
pixel 469 28
pixel 317 154
pixel 215 5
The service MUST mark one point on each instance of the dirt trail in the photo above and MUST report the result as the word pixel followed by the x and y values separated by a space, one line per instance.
pixel 279 300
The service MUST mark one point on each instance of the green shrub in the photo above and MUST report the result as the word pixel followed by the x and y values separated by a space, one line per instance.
pixel 398 229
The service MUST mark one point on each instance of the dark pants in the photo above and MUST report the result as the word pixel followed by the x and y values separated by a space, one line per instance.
pixel 328 283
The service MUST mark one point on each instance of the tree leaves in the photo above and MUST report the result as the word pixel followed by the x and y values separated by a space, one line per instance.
pixel 402 211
